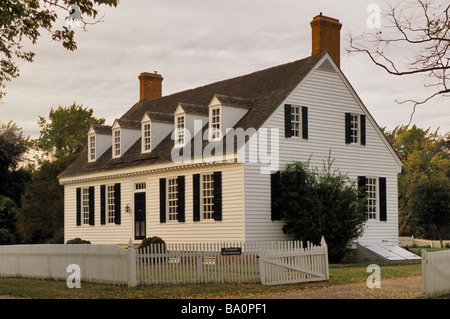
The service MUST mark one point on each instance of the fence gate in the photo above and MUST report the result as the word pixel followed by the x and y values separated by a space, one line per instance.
pixel 294 264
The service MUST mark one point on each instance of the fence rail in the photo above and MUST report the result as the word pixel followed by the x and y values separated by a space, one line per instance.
pixel 105 264
pixel 167 263
pixel 411 241
pixel 435 273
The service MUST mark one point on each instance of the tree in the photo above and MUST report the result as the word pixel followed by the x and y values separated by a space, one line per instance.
pixel 321 203
pixel 425 156
pixel 26 19
pixel 65 132
pixel 430 202
pixel 421 29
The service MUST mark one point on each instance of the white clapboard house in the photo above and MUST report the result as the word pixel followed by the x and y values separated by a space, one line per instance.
pixel 195 166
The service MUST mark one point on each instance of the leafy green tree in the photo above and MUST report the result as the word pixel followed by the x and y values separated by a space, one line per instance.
pixel 321 203
pixel 65 132
pixel 430 202
pixel 8 214
pixel 425 156
pixel 26 19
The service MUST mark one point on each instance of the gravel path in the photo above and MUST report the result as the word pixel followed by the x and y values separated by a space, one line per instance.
pixel 399 288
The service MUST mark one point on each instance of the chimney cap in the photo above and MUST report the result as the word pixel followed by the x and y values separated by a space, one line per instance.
pixel 150 75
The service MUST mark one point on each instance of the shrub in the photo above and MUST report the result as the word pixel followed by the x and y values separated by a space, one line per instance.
pixel 77 241
pixel 316 204
pixel 6 238
pixel 152 240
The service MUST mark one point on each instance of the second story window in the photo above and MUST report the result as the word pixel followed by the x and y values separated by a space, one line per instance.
pixel 146 138
pixel 116 144
pixel 180 138
pixel 355 128
pixel 215 124
pixel 295 120
pixel 92 148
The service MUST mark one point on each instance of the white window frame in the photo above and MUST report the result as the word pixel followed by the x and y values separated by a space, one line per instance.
pixel 180 130
pixel 207 196
pixel 117 142
pixel 172 199
pixel 92 147
pixel 355 128
pixel 110 204
pixel 296 121
pixel 85 206
pixel 372 190
pixel 215 123
pixel 146 137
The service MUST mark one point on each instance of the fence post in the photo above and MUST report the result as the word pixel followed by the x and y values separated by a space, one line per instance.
pixel 131 265
pixel 325 250
pixel 424 272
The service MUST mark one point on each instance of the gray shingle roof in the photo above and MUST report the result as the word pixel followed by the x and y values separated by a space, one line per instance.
pixel 262 91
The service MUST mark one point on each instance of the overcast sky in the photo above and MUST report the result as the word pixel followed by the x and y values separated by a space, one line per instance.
pixel 193 43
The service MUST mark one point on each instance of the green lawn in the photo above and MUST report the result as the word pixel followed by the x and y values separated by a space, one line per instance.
pixel 339 274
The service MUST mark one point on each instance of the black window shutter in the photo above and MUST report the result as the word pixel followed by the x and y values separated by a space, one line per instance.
pixel 287 121
pixel 363 129
pixel 217 196
pixel 78 217
pixel 91 205
pixel 102 205
pixel 383 203
pixel 117 204
pixel 304 122
pixel 348 128
pixel 181 200
pixel 362 181
pixel 196 196
pixel 162 200
pixel 274 179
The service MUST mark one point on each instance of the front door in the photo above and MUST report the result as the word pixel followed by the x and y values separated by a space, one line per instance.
pixel 139 216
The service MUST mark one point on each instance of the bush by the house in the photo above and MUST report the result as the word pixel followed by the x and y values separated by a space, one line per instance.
pixel 152 240
pixel 78 241
pixel 317 203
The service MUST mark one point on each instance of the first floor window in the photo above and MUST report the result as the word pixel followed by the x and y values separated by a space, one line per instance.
pixel 372 191
pixel 207 196
pixel 110 204
pixel 172 198
pixel 85 205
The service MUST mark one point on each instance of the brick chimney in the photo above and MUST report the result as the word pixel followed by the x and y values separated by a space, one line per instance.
pixel 150 86
pixel 326 36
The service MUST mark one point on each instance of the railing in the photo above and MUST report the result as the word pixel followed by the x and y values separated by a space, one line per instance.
pixel 106 264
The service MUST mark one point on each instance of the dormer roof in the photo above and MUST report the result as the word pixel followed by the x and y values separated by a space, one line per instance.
pixel 158 117
pixel 100 129
pixel 233 101
pixel 127 124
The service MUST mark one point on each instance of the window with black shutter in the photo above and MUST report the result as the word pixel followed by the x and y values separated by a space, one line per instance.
pixel 181 199
pixel 217 196
pixel 196 197
pixel 78 216
pixel 117 203
pixel 102 204
pixel 162 200
pixel 91 205
pixel 383 201
pixel 304 122
pixel 287 121
pixel 274 180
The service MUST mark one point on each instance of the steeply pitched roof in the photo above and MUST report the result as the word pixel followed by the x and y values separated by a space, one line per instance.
pixel 264 90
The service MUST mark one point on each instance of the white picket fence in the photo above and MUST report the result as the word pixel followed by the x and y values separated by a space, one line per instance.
pixel 106 264
pixel 268 262
pixel 435 273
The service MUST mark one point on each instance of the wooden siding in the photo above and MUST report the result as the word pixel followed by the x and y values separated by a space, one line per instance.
pixel 328 99
pixel 231 228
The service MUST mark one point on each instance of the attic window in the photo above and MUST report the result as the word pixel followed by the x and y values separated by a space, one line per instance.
pixel 180 138
pixel 146 138
pixel 92 148
pixel 214 121
pixel 116 144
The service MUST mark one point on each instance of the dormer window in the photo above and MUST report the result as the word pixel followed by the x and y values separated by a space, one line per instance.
pixel 215 132
pixel 146 137
pixel 92 156
pixel 180 136
pixel 116 144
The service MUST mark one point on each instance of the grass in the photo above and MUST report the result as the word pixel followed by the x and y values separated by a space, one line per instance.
pixel 339 274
